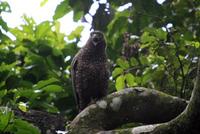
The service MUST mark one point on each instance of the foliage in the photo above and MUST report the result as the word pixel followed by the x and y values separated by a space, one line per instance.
pixel 149 44
pixel 10 124
pixel 33 67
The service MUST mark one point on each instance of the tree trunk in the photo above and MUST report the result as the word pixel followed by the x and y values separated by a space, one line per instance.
pixel 188 122
pixel 130 105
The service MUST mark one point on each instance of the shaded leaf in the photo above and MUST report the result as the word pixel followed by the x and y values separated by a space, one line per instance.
pixel 23 127
pixel 3 24
pixel 62 9
pixel 133 61
pixel 5 116
pixel 123 63
pixel 77 15
pixel 3 93
pixel 52 88
pixel 4 7
pixel 44 83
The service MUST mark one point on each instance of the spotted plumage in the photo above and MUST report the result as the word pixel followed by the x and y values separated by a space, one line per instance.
pixel 89 71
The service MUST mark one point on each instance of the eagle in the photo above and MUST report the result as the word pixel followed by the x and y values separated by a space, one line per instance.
pixel 89 71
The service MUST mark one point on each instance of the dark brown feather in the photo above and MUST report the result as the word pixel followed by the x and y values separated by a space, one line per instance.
pixel 89 71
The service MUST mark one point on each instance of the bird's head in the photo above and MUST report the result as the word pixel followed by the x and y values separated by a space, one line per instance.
pixel 97 38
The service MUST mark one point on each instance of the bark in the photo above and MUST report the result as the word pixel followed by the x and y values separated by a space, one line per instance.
pixel 130 105
pixel 46 122
pixel 188 122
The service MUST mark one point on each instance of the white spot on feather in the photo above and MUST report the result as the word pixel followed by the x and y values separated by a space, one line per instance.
pixel 116 103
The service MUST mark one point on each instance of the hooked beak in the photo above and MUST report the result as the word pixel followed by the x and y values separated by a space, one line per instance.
pixel 96 39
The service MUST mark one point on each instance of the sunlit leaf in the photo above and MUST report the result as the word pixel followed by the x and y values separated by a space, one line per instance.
pixel 159 33
pixel 42 29
pixel 22 106
pixel 117 71
pixel 76 33
pixel 147 38
pixel 130 80
pixel 120 82
pixel 43 2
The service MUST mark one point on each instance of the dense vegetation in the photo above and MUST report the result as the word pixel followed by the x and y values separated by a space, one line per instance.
pixel 149 44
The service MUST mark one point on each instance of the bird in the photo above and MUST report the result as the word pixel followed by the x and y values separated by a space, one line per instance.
pixel 90 72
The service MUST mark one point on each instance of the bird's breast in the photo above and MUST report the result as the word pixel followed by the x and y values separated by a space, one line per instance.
pixel 94 71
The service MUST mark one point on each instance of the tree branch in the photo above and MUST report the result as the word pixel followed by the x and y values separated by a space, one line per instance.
pixel 130 105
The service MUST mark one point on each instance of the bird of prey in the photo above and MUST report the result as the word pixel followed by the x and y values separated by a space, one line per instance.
pixel 89 71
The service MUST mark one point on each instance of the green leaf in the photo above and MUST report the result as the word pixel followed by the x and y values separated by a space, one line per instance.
pixel 7 67
pixel 133 61
pixel 28 93
pixel 159 33
pixel 5 116
pixel 196 44
pixel 44 83
pixel 119 22
pixel 22 106
pixel 57 26
pixel 3 24
pixel 4 7
pixel 57 52
pixel 42 29
pixel 120 83
pixel 144 60
pixel 3 93
pixel 147 76
pixel 62 9
pixel 76 33
pixel 52 88
pixel 78 15
pixel 23 127
pixel 43 2
pixel 147 38
pixel 50 108
pixel 117 71
pixel 130 80
pixel 123 63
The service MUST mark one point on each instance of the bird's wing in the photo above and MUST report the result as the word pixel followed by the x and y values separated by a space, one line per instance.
pixel 73 76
